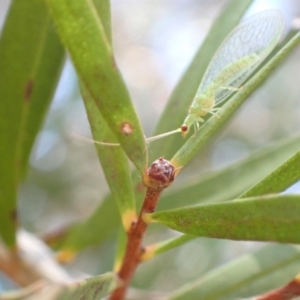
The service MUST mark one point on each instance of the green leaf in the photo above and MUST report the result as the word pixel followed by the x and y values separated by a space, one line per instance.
pixel 167 245
pixel 103 9
pixel 113 159
pixel 114 163
pixel 89 289
pixel 251 274
pixel 184 92
pixel 279 180
pixel 213 187
pixel 265 218
pixel 31 58
pixel 83 34
pixel 213 124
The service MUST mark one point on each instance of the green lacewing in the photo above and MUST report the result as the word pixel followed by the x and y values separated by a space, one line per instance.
pixel 240 54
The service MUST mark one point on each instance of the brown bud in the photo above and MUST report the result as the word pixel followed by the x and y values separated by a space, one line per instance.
pixel 160 175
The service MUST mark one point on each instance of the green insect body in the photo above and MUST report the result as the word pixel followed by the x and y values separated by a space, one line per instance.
pixel 204 102
pixel 245 48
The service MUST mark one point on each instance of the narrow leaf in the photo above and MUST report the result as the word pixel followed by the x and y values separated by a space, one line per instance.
pixel 213 187
pixel 184 92
pixel 279 180
pixel 268 218
pixel 211 126
pixel 104 12
pixel 83 34
pixel 89 289
pixel 113 159
pixel 30 62
pixel 249 275
pixel 114 163
pixel 167 245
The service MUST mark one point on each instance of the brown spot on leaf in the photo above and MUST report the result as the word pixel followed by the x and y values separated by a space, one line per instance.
pixel 14 216
pixel 28 90
pixel 126 128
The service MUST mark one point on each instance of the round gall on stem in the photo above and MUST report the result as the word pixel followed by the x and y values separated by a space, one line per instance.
pixel 160 175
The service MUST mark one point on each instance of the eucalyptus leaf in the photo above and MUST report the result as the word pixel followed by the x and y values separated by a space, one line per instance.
pixel 82 32
pixel 92 288
pixel 31 59
pixel 181 98
pixel 248 275
pixel 279 180
pixel 213 124
pixel 273 218
pixel 240 176
pixel 166 245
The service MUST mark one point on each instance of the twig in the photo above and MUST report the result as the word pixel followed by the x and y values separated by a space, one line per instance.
pixel 12 265
pixel 159 176
pixel 287 292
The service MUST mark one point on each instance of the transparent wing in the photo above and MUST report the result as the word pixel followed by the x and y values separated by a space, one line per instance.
pixel 256 38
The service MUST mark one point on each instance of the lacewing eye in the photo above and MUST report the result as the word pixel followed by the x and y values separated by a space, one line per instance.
pixel 184 128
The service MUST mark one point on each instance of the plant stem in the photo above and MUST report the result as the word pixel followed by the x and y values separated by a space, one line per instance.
pixel 287 292
pixel 159 176
pixel 13 266
pixel 134 245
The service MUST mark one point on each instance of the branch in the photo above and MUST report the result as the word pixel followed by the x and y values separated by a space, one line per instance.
pixel 287 292
pixel 12 265
pixel 159 176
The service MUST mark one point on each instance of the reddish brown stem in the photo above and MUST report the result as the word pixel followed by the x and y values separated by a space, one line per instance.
pixel 287 292
pixel 134 246
pixel 159 176
pixel 12 265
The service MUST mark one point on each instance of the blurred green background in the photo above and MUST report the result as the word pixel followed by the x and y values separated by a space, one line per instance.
pixel 154 42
